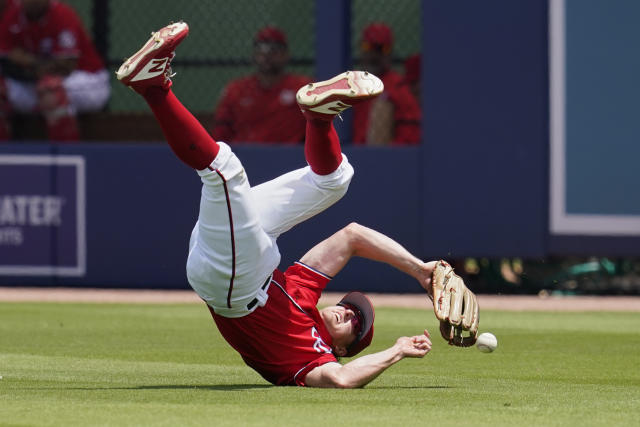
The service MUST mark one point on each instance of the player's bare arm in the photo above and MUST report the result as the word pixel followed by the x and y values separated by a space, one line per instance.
pixel 363 370
pixel 333 253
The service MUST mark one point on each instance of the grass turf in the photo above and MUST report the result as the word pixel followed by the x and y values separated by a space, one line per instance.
pixel 121 364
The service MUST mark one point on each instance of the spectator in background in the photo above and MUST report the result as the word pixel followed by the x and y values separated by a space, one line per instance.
pixel 262 107
pixel 412 70
pixel 50 65
pixel 394 117
pixel 5 7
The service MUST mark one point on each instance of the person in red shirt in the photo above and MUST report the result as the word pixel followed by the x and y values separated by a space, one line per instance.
pixel 271 317
pixel 261 108
pixel 5 132
pixel 50 65
pixel 394 117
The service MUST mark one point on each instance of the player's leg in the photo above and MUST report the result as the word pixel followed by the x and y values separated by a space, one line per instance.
pixel 230 255
pixel 301 194
pixel 149 73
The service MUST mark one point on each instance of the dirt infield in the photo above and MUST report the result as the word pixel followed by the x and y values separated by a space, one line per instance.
pixel 488 302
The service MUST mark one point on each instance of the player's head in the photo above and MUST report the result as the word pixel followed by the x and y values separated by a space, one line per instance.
pixel 375 48
pixel 270 50
pixel 350 323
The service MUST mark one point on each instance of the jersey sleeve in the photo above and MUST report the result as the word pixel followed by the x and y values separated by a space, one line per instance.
pixel 300 377
pixel 302 275
pixel 305 284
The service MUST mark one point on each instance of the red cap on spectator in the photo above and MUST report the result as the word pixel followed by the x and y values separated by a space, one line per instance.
pixel 271 35
pixel 412 69
pixel 377 36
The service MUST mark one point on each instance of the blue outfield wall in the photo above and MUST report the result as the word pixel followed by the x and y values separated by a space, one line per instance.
pixel 141 204
pixel 485 114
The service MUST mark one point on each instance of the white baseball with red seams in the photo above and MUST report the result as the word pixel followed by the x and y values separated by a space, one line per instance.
pixel 487 342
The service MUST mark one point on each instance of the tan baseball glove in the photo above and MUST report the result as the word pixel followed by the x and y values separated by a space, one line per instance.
pixel 454 305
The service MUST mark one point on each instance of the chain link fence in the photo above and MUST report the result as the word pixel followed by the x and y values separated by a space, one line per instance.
pixel 219 47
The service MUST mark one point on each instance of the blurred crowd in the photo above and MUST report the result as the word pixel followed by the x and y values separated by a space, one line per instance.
pixel 261 107
pixel 49 67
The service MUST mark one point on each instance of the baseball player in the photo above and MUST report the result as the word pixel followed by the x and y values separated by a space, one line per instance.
pixel 269 316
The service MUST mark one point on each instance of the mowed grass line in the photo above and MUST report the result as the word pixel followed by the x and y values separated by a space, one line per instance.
pixel 135 364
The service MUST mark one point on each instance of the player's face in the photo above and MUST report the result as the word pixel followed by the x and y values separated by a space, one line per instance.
pixel 341 322
pixel 270 58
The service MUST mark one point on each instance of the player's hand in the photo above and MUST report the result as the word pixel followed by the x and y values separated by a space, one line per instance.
pixel 425 273
pixel 416 346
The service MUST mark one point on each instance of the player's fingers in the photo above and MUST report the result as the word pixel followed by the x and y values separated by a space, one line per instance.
pixel 427 339
pixel 420 340
pixel 427 334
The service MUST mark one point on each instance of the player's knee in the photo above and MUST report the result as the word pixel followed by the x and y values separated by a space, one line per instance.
pixel 337 181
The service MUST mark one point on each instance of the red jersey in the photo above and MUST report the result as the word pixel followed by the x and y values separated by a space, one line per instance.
pixel 8 5
pixel 406 113
pixel 58 34
pixel 248 112
pixel 284 340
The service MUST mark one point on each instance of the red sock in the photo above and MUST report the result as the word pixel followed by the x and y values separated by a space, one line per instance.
pixel 322 147
pixel 185 135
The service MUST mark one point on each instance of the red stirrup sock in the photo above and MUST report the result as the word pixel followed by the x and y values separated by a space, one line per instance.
pixel 322 147
pixel 185 135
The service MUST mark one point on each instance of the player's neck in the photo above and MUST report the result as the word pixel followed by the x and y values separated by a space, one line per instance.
pixel 269 80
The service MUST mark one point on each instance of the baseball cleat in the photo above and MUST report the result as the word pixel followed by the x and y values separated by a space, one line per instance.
pixel 151 65
pixel 324 100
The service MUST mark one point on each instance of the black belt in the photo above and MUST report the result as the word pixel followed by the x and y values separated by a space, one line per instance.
pixel 255 300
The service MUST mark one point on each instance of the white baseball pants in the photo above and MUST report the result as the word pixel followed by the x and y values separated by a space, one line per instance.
pixel 233 247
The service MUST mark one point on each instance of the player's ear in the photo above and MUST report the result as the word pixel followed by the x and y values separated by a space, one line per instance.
pixel 340 350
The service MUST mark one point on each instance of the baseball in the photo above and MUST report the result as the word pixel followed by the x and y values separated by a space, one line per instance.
pixel 487 342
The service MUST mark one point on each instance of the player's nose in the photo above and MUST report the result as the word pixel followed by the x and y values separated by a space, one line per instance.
pixel 348 314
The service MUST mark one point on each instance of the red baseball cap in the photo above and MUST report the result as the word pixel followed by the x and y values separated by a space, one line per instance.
pixel 271 35
pixel 377 36
pixel 365 315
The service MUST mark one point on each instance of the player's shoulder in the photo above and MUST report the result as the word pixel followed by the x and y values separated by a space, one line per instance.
pixel 58 7
pixel 391 78
pixel 249 79
pixel 296 81
pixel 11 16
pixel 300 270
pixel 240 85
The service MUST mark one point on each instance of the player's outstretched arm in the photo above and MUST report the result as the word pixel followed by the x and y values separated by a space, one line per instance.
pixel 361 371
pixel 333 253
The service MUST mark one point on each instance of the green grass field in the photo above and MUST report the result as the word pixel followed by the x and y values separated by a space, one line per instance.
pixel 124 364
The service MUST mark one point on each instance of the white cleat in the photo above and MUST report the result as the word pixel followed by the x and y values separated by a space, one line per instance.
pixel 326 99
pixel 151 65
